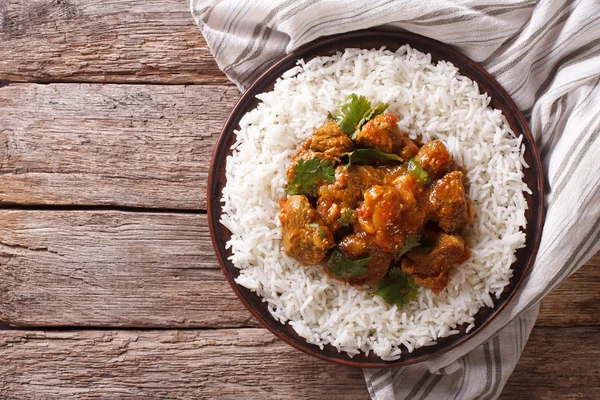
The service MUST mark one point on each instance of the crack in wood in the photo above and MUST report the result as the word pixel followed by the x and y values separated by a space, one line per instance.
pixel 24 247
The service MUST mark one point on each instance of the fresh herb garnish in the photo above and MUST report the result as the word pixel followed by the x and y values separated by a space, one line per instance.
pixel 309 174
pixel 346 218
pixel 415 243
pixel 381 107
pixel 418 172
pixel 410 243
pixel 342 267
pixel 354 112
pixel 398 288
pixel 370 157
pixel 363 121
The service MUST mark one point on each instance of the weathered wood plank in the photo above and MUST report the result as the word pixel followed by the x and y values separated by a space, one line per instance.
pixel 223 364
pixel 124 145
pixel 103 41
pixel 83 268
pixel 112 269
pixel 558 363
pixel 576 301
pixel 249 364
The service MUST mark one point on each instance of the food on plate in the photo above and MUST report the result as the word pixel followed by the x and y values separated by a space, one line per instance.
pixel 369 203
pixel 318 171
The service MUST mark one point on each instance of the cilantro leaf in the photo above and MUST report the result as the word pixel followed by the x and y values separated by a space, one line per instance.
pixel 410 243
pixel 418 172
pixel 346 218
pixel 370 157
pixel 309 174
pixel 342 267
pixel 364 120
pixel 352 111
pixel 381 107
pixel 398 288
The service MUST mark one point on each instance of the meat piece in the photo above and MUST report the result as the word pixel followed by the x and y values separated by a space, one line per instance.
pixel 449 204
pixel 377 134
pixel 380 215
pixel 360 245
pixel 403 145
pixel 355 246
pixel 446 251
pixel 390 212
pixel 334 198
pixel 434 158
pixel 305 237
pixel 430 269
pixel 414 212
pixel 367 175
pixel 328 142
pixel 382 133
pixel 435 283
pixel 345 193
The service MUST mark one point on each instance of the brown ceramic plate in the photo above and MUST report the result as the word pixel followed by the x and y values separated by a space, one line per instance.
pixel 392 40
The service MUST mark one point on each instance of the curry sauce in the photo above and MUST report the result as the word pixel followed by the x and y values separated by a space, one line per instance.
pixel 401 204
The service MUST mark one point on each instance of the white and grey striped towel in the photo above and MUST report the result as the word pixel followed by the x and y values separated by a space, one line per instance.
pixel 546 54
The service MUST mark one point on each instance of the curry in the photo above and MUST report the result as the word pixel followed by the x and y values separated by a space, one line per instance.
pixel 372 205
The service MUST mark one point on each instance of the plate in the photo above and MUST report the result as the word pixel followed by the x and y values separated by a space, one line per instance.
pixel 391 40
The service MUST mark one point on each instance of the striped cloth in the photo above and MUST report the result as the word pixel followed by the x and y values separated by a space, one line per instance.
pixel 546 54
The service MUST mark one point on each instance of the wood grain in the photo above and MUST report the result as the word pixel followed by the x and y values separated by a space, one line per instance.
pixel 558 363
pixel 577 301
pixel 103 41
pixel 247 363
pixel 223 364
pixel 137 269
pixel 125 145
pixel 112 269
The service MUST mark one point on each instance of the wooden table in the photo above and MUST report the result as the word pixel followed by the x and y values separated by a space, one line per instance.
pixel 109 111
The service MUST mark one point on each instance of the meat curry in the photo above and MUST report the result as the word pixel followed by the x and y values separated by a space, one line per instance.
pixel 372 201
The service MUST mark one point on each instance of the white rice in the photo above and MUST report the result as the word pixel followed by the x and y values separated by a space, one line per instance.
pixel 432 101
